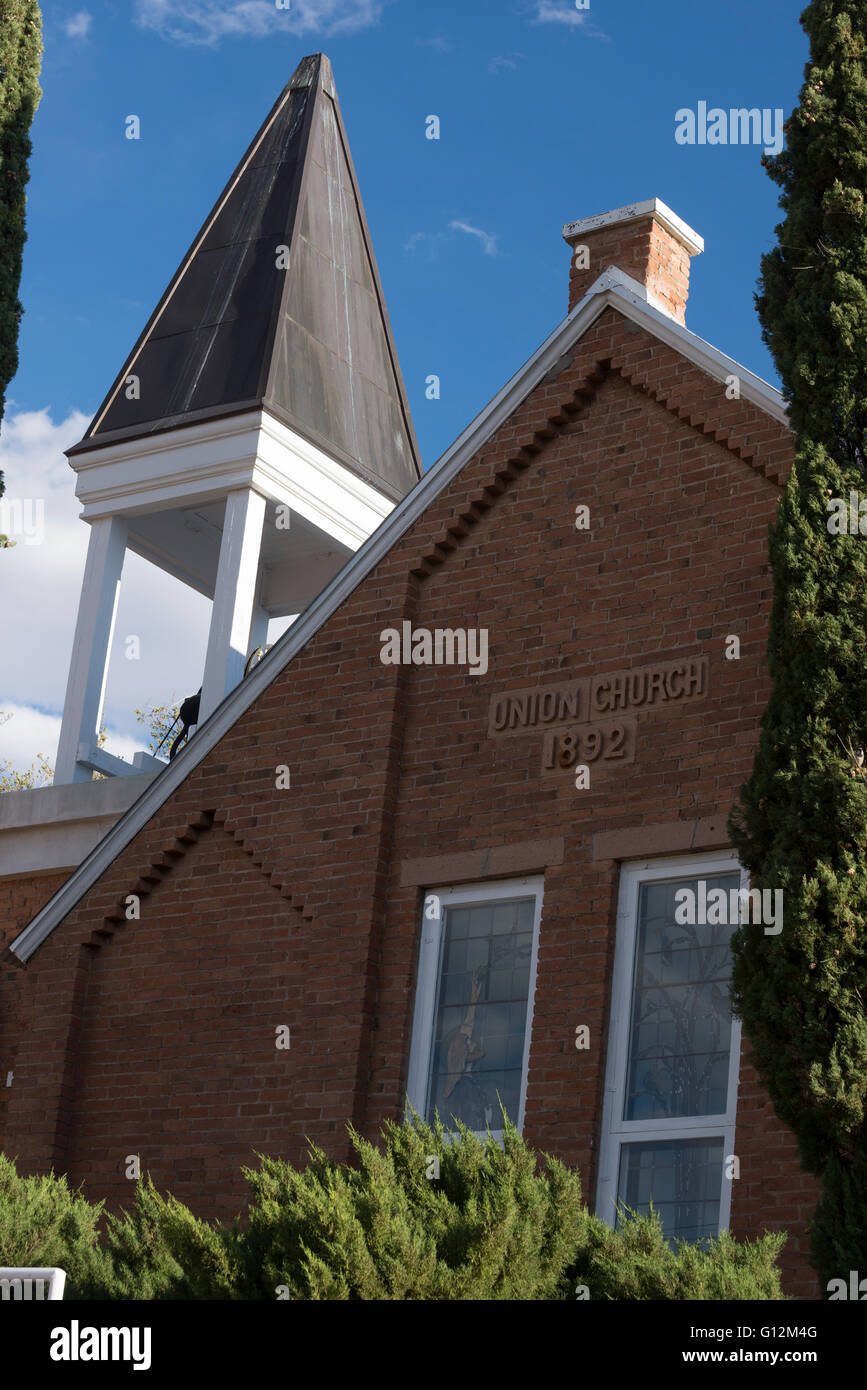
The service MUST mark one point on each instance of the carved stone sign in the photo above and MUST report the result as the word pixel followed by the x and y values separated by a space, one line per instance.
pixel 591 720
pixel 590 745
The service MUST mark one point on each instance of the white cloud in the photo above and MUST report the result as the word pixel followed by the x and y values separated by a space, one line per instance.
pixel 30 732
pixel 489 242
pixel 564 12
pixel 552 12
pixel 40 585
pixel 429 240
pixel 78 26
pixel 437 44
pixel 208 21
pixel 25 732
pixel 496 64
pixel 419 237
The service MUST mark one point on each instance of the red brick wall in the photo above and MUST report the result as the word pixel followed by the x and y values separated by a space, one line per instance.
pixel 20 900
pixel 187 1002
pixel 296 906
pixel 643 249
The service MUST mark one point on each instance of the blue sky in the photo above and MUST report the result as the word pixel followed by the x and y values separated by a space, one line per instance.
pixel 547 115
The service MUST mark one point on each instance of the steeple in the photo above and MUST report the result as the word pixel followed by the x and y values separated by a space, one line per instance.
pixel 304 332
pixel 258 432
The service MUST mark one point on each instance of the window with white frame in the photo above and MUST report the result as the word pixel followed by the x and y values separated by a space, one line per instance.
pixel 668 1121
pixel 474 997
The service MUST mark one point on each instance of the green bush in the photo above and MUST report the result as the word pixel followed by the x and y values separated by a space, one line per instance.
pixel 160 1250
pixel 45 1223
pixel 489 1227
pixel 635 1261
pixel 495 1222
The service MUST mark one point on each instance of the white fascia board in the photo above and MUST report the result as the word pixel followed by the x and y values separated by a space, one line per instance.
pixel 320 489
pixel 631 213
pixel 201 463
pixel 193 464
pixel 196 491
pixel 612 288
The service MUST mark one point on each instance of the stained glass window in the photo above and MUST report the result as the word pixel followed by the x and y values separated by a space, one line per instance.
pixel 683 1179
pixel 681 1018
pixel 669 1119
pixel 480 1015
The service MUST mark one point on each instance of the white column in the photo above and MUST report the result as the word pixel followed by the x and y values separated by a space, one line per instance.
pixel 258 629
pixel 234 598
pixel 261 618
pixel 94 628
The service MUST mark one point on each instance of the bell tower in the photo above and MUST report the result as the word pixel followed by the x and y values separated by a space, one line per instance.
pixel 259 431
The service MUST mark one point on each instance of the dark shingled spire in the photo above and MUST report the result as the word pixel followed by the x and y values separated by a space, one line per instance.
pixel 311 343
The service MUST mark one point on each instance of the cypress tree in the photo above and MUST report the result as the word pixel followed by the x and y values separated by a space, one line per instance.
pixel 20 56
pixel 802 820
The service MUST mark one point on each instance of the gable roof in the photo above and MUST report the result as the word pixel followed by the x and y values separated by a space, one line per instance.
pixel 312 342
pixel 613 288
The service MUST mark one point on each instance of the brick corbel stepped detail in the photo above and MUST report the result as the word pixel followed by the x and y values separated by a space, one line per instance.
pixel 172 851
pixel 482 501
pixel 275 877
pixel 694 416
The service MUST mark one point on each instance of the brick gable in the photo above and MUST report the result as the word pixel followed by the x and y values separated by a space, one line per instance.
pixel 306 890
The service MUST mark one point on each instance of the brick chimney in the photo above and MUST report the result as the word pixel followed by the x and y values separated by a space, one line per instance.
pixel 645 240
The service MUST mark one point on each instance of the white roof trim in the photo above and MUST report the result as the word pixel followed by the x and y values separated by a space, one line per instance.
pixel 612 288
pixel 631 213
pixel 702 354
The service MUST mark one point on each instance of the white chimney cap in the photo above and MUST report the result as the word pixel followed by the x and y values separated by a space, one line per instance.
pixel 633 212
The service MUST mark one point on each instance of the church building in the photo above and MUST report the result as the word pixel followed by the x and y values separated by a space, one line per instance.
pixel 459 835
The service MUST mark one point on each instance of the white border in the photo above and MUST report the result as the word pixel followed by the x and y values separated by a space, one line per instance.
pixel 616 1131
pixel 428 978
